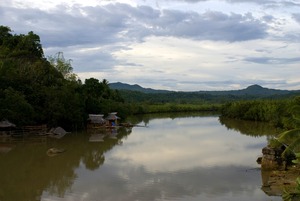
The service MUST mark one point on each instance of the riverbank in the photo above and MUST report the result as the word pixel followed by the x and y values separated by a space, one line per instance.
pixel 279 177
pixel 279 182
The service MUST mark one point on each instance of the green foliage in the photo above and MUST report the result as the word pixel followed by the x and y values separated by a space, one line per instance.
pixel 21 46
pixel 171 97
pixel 287 195
pixel 13 106
pixel 293 108
pixel 288 137
pixel 99 98
pixel 175 107
pixel 63 66
pixel 291 140
pixel 36 91
pixel 273 111
pixel 297 160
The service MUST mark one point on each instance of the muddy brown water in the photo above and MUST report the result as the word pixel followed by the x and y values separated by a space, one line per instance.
pixel 182 157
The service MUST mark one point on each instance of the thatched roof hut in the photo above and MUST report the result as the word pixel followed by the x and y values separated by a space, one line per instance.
pixel 6 128
pixel 112 118
pixel 96 119
pixel 6 124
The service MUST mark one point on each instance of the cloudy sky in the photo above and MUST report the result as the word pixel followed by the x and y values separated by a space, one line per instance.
pixel 182 45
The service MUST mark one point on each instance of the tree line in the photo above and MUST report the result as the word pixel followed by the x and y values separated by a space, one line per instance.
pixel 39 90
pixel 280 113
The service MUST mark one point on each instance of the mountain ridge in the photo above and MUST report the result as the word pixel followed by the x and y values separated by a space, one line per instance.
pixel 252 90
pixel 135 87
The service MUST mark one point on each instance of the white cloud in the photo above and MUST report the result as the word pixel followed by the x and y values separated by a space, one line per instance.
pixel 175 45
pixel 182 150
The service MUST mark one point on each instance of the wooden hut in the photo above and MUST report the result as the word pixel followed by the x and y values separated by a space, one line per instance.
pixel 112 119
pixel 95 120
pixel 6 127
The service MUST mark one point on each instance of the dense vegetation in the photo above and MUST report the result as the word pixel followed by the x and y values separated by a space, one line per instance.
pixel 280 113
pixel 37 90
pixel 174 97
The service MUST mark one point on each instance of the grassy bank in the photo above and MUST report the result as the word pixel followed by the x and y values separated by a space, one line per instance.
pixel 174 107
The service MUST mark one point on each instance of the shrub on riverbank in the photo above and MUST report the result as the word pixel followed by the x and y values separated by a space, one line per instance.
pixel 280 113
pixel 176 107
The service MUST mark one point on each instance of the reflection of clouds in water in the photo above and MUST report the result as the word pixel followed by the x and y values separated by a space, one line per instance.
pixel 198 160
pixel 135 183
pixel 172 145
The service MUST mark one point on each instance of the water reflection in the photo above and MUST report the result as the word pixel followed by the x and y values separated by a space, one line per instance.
pixel 198 160
pixel 187 158
pixel 187 142
pixel 251 128
pixel 136 183
pixel 27 171
pixel 144 120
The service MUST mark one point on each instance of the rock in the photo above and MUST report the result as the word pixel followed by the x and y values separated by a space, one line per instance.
pixel 54 151
pixel 57 132
pixel 258 160
pixel 277 176
pixel 271 159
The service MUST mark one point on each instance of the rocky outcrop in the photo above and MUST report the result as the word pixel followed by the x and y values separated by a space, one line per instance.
pixel 57 132
pixel 276 182
pixel 271 159
pixel 278 175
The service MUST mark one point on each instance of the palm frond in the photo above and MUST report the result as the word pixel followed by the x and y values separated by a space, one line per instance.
pixel 288 137
pixel 293 148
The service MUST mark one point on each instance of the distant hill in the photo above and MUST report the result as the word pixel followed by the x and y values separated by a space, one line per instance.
pixel 135 87
pixel 136 93
pixel 259 90
pixel 253 90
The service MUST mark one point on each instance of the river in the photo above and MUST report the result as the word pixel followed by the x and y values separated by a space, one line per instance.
pixel 182 157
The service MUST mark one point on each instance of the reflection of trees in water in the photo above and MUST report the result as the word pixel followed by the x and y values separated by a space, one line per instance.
pixel 93 160
pixel 251 128
pixel 26 171
pixel 144 119
pixel 93 156
pixel 59 185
